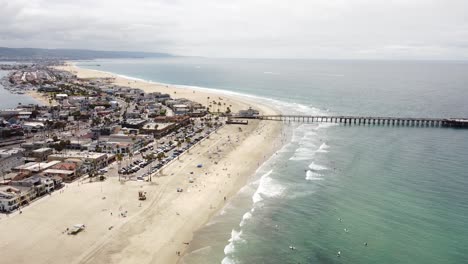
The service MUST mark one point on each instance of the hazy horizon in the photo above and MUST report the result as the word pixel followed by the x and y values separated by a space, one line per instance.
pixel 319 29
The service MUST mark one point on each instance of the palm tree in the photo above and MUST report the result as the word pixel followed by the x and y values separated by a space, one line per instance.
pixel 119 157
pixel 179 144
pixel 130 156
pixel 160 156
pixel 188 140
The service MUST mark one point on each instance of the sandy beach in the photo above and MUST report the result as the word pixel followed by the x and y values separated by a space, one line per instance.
pixel 155 229
pixel 41 97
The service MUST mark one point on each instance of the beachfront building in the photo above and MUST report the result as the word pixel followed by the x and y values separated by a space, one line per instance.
pixel 111 147
pixel 40 185
pixel 249 113
pixel 120 143
pixel 24 191
pixel 90 160
pixel 65 171
pixel 181 109
pixel 9 198
pixel 64 175
pixel 164 125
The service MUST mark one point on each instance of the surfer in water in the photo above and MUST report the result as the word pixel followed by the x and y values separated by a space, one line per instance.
pixel 338 254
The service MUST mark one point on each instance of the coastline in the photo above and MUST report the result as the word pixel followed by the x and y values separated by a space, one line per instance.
pixel 41 98
pixel 159 227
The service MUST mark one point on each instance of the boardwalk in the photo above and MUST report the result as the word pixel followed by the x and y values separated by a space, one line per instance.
pixel 370 120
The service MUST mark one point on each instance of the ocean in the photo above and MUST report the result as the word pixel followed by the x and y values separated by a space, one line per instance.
pixel 337 193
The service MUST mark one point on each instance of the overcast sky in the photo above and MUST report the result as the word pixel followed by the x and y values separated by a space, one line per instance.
pixel 409 29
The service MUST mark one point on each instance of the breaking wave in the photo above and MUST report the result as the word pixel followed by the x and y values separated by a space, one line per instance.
pixel 316 167
pixel 267 188
pixel 313 176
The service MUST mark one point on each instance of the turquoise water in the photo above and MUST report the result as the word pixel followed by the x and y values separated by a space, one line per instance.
pixel 333 188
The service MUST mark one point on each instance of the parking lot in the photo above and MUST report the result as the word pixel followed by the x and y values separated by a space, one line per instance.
pixel 153 157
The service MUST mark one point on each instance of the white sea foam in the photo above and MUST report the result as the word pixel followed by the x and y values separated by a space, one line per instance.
pixel 323 147
pixel 303 155
pixel 286 107
pixel 313 176
pixel 267 188
pixel 235 239
pixel 245 218
pixel 305 151
pixel 316 167
pixel 228 260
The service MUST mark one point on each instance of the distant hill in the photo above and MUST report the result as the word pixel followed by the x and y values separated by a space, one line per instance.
pixel 71 54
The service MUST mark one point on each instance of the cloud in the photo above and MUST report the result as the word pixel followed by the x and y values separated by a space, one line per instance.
pixel 414 29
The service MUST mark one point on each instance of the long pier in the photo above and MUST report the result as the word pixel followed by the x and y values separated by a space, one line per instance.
pixel 371 120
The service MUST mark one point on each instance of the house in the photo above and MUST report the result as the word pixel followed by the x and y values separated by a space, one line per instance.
pixel 9 198
pixel 65 175
pixel 39 185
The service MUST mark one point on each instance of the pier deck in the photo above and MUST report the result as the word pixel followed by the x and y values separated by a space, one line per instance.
pixel 371 120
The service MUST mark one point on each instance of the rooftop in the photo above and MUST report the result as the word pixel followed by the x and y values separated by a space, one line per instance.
pixel 55 171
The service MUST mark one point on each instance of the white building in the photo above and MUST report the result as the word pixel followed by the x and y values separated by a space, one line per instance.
pixel 9 198
pixel 180 109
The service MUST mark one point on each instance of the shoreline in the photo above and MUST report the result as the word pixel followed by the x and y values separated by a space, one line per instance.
pixel 72 67
pixel 40 97
pixel 164 224
pixel 208 91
